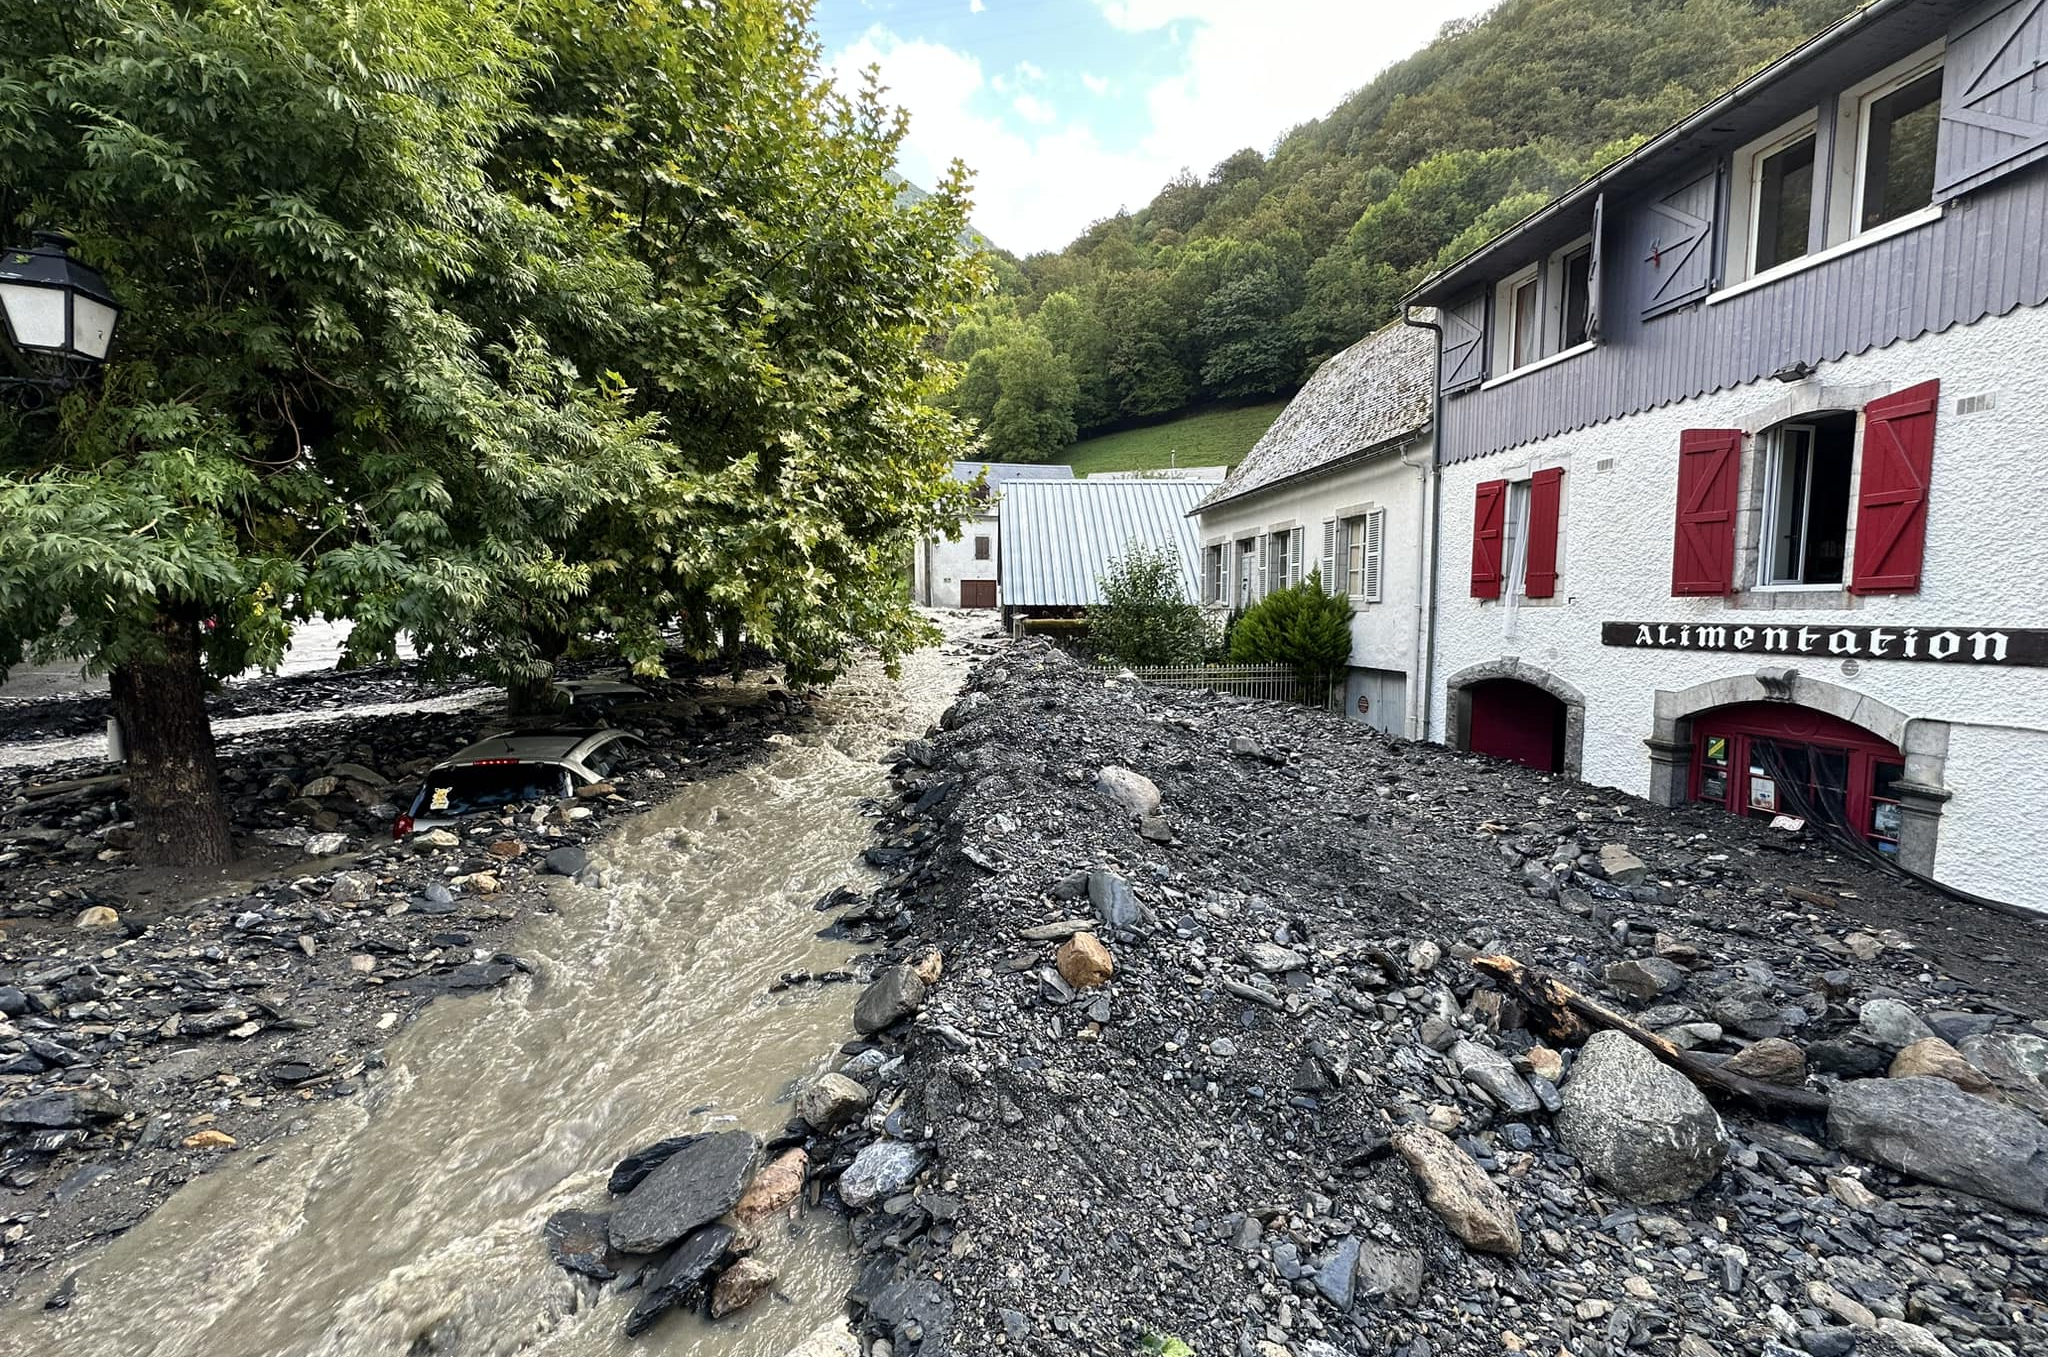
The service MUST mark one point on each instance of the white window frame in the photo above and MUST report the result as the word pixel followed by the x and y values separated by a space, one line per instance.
pixel 1554 275
pixel 1514 541
pixel 1745 208
pixel 1770 508
pixel 1504 317
pixel 1852 129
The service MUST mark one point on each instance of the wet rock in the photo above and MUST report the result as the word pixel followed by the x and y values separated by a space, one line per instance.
pixel 1459 1191
pixel 1890 1025
pixel 1491 1071
pixel 1932 1130
pixel 774 1188
pixel 1111 895
pixel 1390 1274
pixel 1133 792
pixel 1773 1060
pixel 1083 962
pixel 1637 1126
pixel 696 1184
pixel 895 994
pixel 832 1339
pixel 1644 977
pixel 1936 1059
pixel 830 1101
pixel 65 1108
pixel 880 1170
pixel 679 1275
pixel 568 860
pixel 577 1241
pixel 740 1286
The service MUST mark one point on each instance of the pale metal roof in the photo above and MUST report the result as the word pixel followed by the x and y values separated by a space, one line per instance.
pixel 1059 537
pixel 1001 473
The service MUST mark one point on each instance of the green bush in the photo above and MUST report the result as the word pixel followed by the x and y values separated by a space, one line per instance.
pixel 1145 617
pixel 1303 627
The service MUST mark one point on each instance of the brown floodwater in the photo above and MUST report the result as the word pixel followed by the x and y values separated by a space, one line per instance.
pixel 409 1221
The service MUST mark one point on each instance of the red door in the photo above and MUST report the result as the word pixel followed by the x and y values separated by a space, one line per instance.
pixel 977 593
pixel 1765 759
pixel 1518 722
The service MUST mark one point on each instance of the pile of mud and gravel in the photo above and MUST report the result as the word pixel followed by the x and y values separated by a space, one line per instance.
pixel 1297 1119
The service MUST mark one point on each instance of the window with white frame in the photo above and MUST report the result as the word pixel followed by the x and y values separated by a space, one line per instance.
pixel 1804 476
pixel 1774 201
pixel 1216 573
pixel 1897 121
pixel 1518 318
pixel 1280 560
pixel 1515 542
pixel 1361 542
pixel 1544 309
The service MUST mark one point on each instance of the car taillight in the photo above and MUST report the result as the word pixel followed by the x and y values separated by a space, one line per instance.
pixel 401 827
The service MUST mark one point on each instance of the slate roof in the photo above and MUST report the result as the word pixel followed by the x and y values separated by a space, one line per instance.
pixel 1060 536
pixel 999 472
pixel 1377 390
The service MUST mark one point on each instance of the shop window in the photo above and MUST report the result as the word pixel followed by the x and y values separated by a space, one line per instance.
pixel 1763 761
pixel 1805 479
pixel 1885 816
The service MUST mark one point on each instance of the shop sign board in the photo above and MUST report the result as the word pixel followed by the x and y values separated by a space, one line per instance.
pixel 2000 647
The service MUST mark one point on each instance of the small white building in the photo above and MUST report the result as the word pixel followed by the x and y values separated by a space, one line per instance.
pixel 1340 484
pixel 963 570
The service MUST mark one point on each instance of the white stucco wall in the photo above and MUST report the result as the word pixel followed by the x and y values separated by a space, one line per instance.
pixel 943 562
pixel 1383 634
pixel 1986 565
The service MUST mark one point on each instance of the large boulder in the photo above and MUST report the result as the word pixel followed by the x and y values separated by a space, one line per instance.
pixel 1890 1025
pixel 694 1186
pixel 2016 1062
pixel 679 1276
pixel 1459 1191
pixel 830 1101
pixel 774 1189
pixel 1933 1058
pixel 1638 1127
pixel 895 994
pixel 1934 1131
pixel 1132 791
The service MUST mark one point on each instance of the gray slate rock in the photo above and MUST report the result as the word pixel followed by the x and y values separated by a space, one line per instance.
pixel 1390 1274
pixel 629 1172
pixel 895 995
pixel 1111 895
pixel 70 1107
pixel 2016 1063
pixel 1889 1024
pixel 694 1186
pixel 1337 1273
pixel 1493 1072
pixel 577 1241
pixel 568 860
pixel 1649 977
pixel 1637 1126
pixel 881 1170
pixel 831 1101
pixel 678 1275
pixel 1932 1130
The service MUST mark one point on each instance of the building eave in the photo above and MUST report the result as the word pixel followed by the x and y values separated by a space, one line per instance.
pixel 1400 442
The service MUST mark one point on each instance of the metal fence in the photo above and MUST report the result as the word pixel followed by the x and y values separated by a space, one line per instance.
pixel 1274 681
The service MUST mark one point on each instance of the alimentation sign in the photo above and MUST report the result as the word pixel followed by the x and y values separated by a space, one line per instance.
pixel 1926 645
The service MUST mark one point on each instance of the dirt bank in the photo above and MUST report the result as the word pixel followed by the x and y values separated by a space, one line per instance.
pixel 1199 1151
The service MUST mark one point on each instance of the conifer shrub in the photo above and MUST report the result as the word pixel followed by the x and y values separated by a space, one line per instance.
pixel 1303 627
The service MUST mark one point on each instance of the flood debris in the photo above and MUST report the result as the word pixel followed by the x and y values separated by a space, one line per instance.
pixel 1410 1052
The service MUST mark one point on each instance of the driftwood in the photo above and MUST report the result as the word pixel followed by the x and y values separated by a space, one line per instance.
pixel 1568 1016
pixel 38 791
pixel 1815 898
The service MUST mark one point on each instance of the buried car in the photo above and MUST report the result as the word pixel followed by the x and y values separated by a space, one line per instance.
pixel 512 768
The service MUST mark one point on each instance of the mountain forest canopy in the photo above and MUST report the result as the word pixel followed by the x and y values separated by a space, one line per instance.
pixel 492 323
pixel 1236 285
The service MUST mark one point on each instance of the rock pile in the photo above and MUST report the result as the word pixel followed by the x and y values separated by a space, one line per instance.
pixel 1292 1118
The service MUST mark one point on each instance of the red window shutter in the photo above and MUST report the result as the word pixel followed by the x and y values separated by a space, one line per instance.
pixel 1703 554
pixel 1891 505
pixel 1546 491
pixel 1488 519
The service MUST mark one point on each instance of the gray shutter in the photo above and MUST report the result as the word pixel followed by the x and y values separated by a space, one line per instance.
pixel 1375 542
pixel 1209 557
pixel 1264 551
pixel 1679 260
pixel 1296 549
pixel 1464 346
pixel 1593 270
pixel 1994 96
pixel 1330 585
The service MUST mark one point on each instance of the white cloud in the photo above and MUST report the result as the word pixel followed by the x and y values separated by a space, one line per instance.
pixel 1030 71
pixel 1032 109
pixel 1034 189
pixel 1097 84
pixel 976 7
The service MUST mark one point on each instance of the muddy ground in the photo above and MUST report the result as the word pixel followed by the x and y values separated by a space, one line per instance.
pixel 1197 1151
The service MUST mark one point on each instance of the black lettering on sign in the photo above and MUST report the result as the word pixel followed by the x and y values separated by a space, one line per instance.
pixel 2004 646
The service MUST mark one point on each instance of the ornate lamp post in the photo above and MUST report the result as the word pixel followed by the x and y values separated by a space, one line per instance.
pixel 59 319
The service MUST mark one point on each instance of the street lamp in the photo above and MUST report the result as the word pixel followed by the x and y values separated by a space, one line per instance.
pixel 59 318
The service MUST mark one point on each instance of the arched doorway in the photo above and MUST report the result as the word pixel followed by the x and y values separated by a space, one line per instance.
pixel 1517 721
pixel 1765 759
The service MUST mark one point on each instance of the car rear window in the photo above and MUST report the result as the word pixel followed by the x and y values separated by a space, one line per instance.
pixel 483 786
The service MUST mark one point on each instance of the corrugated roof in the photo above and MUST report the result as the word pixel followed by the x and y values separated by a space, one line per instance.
pixel 1060 536
pixel 999 472
pixel 1374 391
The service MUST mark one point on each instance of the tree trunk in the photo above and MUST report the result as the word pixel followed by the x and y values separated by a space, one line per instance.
pixel 535 694
pixel 181 816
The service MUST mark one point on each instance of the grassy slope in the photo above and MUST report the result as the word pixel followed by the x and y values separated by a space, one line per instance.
pixel 1214 438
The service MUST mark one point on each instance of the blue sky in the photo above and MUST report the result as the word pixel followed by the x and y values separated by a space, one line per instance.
pixel 1070 109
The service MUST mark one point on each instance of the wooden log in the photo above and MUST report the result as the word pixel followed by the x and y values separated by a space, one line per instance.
pixel 1561 1009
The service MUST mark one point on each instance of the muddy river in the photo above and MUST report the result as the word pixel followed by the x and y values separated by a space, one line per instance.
pixel 409 1223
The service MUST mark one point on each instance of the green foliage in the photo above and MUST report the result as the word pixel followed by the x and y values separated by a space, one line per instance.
pixel 1211 438
pixel 1164 1345
pixel 1301 626
pixel 1033 416
pixel 1145 617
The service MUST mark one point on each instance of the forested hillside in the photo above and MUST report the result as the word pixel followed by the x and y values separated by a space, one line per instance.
pixel 1235 285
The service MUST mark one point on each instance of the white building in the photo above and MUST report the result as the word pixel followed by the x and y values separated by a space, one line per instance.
pixel 963 570
pixel 1742 440
pixel 1340 485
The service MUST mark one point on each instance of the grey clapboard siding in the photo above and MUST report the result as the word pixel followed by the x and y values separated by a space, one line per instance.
pixel 1987 255
pixel 1994 108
